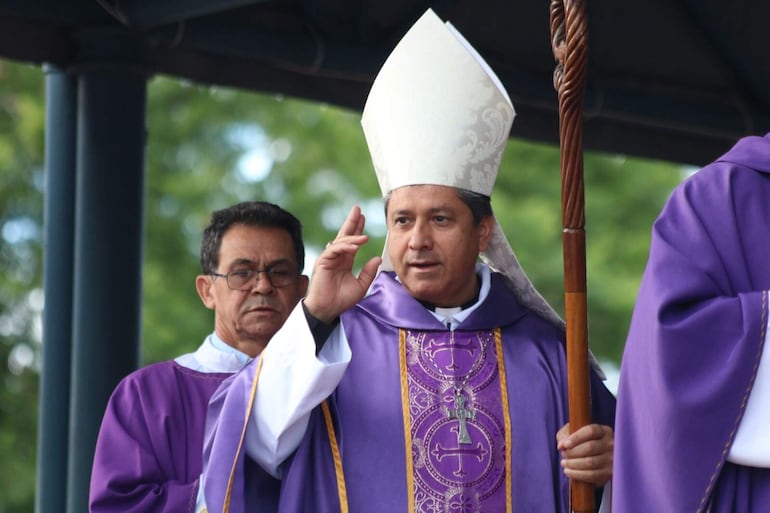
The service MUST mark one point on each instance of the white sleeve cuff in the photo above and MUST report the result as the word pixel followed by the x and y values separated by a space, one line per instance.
pixel 751 446
pixel 292 382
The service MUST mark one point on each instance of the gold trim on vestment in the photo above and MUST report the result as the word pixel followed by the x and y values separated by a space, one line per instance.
pixel 342 492
pixel 406 415
pixel 252 395
pixel 506 420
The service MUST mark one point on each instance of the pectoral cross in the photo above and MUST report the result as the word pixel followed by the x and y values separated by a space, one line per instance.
pixel 462 414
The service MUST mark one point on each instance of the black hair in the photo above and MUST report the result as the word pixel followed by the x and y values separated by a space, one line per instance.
pixel 249 213
pixel 480 205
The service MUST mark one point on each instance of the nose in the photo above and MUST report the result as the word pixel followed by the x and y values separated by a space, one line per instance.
pixel 260 284
pixel 420 237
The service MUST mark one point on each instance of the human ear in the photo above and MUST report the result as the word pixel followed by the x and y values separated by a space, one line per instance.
pixel 204 286
pixel 303 283
pixel 485 228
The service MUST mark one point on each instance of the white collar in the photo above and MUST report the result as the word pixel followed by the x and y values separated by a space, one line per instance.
pixel 453 317
pixel 214 355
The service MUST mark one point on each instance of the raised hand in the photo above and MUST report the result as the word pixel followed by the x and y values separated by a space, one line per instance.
pixel 333 287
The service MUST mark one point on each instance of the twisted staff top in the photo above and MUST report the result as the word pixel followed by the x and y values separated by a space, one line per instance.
pixel 569 36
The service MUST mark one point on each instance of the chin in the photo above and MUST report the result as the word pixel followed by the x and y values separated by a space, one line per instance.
pixel 422 293
pixel 264 330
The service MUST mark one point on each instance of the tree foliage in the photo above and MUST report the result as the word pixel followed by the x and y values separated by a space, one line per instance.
pixel 210 147
pixel 21 176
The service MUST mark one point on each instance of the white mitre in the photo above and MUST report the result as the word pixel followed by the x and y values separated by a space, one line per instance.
pixel 438 115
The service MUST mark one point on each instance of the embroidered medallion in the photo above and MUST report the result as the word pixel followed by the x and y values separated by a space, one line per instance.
pixel 456 422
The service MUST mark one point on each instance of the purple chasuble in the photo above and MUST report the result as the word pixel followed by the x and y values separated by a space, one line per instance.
pixel 148 453
pixel 426 420
pixel 695 340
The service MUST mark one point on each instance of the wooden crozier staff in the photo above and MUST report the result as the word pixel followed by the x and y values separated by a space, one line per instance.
pixel 569 36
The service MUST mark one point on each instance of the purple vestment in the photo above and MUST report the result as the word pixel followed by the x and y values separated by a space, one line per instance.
pixel 422 418
pixel 148 454
pixel 696 336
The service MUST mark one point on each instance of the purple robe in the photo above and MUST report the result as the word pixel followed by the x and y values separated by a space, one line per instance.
pixel 696 336
pixel 452 409
pixel 148 453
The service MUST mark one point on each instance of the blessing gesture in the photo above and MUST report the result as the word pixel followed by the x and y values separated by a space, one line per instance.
pixel 333 287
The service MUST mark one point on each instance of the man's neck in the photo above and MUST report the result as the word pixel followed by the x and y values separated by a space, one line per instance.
pixel 251 348
pixel 467 304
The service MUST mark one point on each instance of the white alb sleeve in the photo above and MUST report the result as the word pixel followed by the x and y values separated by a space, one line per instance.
pixel 292 381
pixel 606 505
pixel 200 500
pixel 751 446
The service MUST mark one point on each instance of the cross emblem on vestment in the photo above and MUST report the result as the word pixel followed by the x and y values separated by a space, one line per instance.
pixel 462 414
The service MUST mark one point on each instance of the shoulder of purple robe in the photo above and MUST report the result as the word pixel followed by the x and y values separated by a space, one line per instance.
pixel 749 152
pixel 696 335
pixel 391 304
pixel 147 457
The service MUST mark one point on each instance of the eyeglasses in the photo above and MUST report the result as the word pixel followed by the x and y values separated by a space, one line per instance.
pixel 243 279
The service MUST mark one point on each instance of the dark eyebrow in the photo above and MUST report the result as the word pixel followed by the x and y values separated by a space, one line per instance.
pixel 401 212
pixel 250 263
pixel 434 210
pixel 240 262
pixel 281 261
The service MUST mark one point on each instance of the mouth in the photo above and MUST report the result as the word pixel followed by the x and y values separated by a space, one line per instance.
pixel 422 264
pixel 260 310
